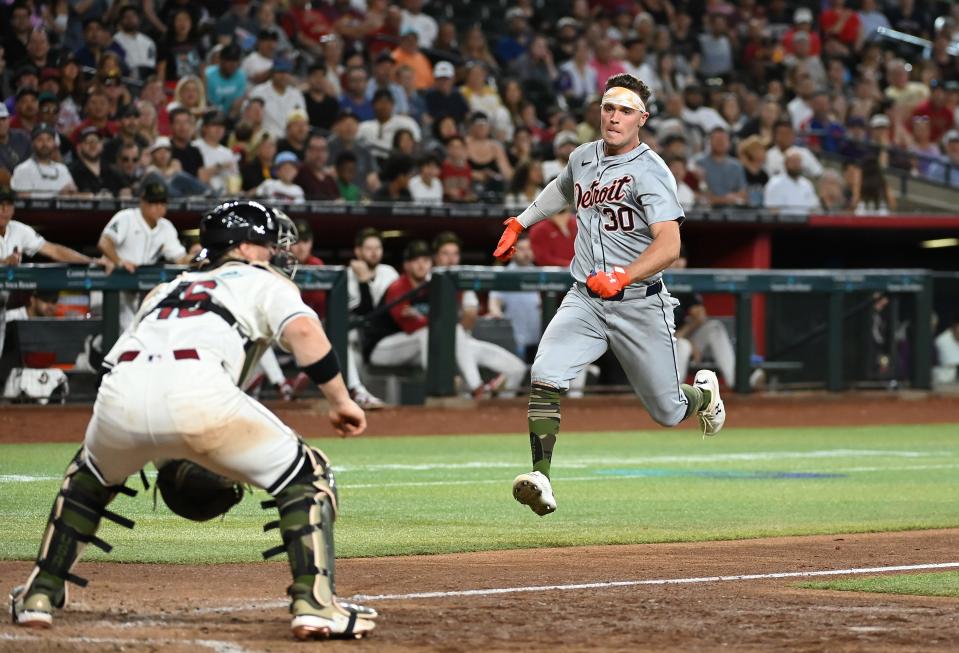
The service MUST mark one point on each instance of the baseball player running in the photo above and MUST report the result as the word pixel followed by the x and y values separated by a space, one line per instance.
pixel 172 393
pixel 628 219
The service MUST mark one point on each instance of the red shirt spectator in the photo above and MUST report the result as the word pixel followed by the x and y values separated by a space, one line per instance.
pixel 842 23
pixel 302 19
pixel 403 313
pixel 552 240
pixel 108 129
pixel 941 117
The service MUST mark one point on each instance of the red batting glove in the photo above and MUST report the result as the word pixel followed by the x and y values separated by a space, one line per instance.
pixel 507 242
pixel 608 284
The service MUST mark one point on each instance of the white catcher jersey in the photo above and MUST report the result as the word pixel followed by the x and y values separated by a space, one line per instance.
pixel 261 300
pixel 616 199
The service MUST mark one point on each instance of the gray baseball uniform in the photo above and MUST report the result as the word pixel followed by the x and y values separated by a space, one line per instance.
pixel 616 199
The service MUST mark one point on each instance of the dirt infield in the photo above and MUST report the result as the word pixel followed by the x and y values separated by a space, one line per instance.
pixel 67 423
pixel 239 608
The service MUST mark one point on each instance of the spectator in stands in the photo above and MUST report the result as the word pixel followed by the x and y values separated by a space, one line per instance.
pixel 139 50
pixel 901 90
pixel 234 22
pixel 536 69
pixel 313 177
pixel 415 98
pixel 875 194
pixel 947 171
pixel 322 105
pixel 18 240
pixel 97 41
pixel 296 135
pixel 426 187
pixel 260 167
pixel 128 167
pixel 552 239
pixel 96 113
pixel 514 43
pixel 563 145
pixel 423 24
pixel 17 34
pixel 225 83
pixel 396 173
pixel 183 130
pixel 872 19
pixel 444 99
pixel 821 132
pixel 833 195
pixel 763 124
pixel 605 63
pixel 168 171
pixel 941 117
pixel 526 184
pixel 722 175
pixel 483 98
pixel 181 53
pixel 456 173
pixel 803 62
pixel 408 54
pixel 281 186
pixel 249 131
pixel 487 159
pixel 523 308
pixel 39 53
pixel 379 131
pixel 219 160
pixel 14 146
pixel 344 139
pixel 752 156
pixel 476 48
pixel 403 143
pixel 26 114
pixel 685 194
pixel 784 138
pixel 716 47
pixel 577 78
pixel 127 134
pixel 41 175
pixel 802 24
pixel 799 108
pixel 346 175
pixel 258 65
pixel 925 151
pixel 384 77
pixel 91 174
pixel 789 191
pixel 141 236
pixel 696 112
pixel 280 98
pixel 354 98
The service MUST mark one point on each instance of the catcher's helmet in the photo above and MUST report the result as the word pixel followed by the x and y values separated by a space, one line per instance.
pixel 245 221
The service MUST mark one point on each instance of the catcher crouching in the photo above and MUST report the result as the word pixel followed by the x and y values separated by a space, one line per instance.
pixel 171 394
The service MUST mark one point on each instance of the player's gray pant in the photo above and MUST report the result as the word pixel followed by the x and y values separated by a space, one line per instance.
pixel 640 333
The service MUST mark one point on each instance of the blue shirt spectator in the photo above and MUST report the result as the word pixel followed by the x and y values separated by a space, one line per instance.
pixel 226 82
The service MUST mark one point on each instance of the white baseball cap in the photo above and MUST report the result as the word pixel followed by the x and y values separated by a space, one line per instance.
pixel 4 112
pixel 444 69
pixel 802 15
pixel 879 120
pixel 160 143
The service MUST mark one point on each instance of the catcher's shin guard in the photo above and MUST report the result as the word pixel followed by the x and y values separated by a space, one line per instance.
pixel 73 523
pixel 308 508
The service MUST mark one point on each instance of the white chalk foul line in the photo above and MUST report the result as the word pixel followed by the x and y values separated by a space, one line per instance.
pixel 215 645
pixel 661 581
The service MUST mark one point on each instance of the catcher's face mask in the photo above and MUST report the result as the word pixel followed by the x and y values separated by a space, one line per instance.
pixel 282 256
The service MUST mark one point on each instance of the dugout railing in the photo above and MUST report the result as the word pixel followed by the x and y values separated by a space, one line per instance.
pixel 89 279
pixel 832 285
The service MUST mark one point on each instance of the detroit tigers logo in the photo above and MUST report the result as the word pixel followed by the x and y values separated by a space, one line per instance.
pixel 621 219
pixel 596 194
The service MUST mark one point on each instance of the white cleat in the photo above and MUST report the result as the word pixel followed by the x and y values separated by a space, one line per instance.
pixel 711 418
pixel 34 611
pixel 341 620
pixel 534 490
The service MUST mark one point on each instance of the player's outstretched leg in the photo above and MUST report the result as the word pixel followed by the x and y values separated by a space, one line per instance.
pixel 308 506
pixel 533 488
pixel 74 519
pixel 705 401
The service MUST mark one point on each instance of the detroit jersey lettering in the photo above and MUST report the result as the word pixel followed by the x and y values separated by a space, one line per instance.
pixel 616 199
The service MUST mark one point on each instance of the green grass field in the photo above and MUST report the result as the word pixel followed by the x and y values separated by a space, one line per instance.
pixel 445 494
pixel 935 584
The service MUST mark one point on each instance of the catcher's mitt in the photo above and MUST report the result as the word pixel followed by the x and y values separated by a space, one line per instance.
pixel 195 492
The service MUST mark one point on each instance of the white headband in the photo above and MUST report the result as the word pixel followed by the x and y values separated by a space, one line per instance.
pixel 624 97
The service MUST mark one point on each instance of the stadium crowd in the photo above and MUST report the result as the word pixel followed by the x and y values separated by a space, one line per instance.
pixel 788 106
pixel 371 100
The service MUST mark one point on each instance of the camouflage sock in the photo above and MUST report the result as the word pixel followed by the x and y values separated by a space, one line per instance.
pixel 543 418
pixel 697 399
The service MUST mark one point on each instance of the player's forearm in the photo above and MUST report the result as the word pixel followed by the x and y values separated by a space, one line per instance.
pixel 549 202
pixel 663 251
pixel 109 249
pixel 304 336
pixel 63 254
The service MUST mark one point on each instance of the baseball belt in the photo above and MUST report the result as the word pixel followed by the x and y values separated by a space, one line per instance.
pixel 626 293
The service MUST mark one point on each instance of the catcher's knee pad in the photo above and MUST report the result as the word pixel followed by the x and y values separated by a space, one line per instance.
pixel 308 507
pixel 73 522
